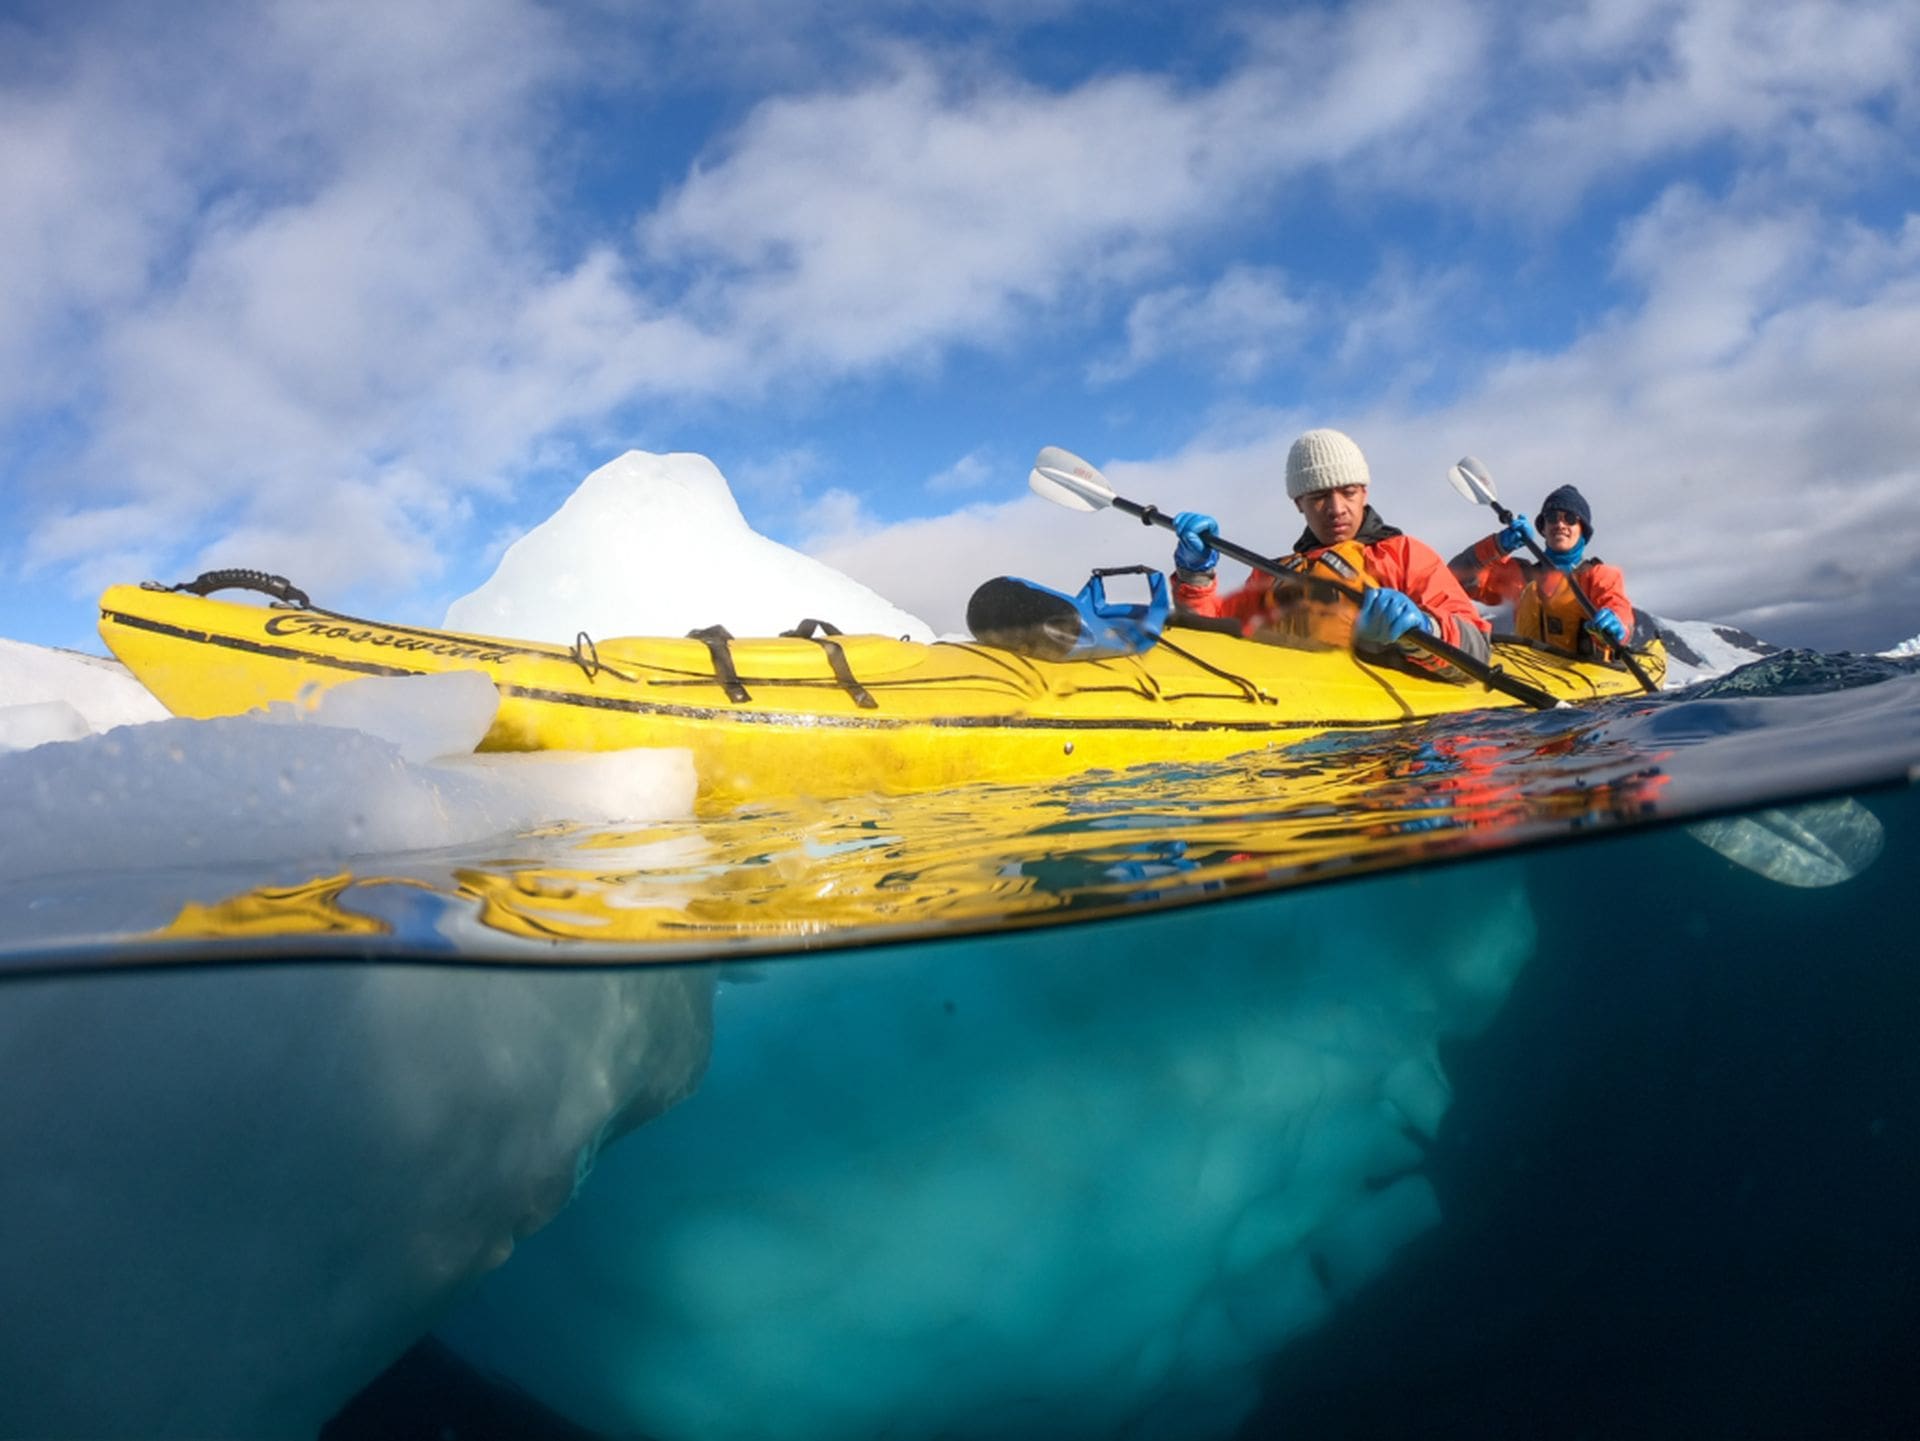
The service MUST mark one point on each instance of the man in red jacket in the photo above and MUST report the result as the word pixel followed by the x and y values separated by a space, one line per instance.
pixel 1409 590
pixel 1545 606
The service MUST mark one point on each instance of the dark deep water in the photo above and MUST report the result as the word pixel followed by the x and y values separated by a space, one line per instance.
pixel 1695 1212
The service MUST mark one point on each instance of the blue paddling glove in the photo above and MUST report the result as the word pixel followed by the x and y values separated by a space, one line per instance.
pixel 1196 531
pixel 1607 625
pixel 1385 616
pixel 1519 531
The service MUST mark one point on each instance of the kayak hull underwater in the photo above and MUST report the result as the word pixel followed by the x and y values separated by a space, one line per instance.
pixel 824 715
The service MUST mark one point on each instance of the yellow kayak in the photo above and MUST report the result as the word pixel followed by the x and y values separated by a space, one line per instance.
pixel 822 713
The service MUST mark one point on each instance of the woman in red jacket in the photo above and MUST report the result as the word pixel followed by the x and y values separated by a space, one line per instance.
pixel 1409 589
pixel 1545 606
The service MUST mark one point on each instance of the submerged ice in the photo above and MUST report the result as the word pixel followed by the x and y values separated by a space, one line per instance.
pixel 1044 1184
pixel 1821 844
pixel 244 1192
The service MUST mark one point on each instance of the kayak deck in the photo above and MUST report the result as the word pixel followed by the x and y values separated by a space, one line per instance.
pixel 825 714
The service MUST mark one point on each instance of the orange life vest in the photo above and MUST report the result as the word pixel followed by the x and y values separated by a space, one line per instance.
pixel 1311 619
pixel 1549 611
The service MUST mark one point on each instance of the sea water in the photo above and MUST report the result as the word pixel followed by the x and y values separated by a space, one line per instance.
pixel 1521 1075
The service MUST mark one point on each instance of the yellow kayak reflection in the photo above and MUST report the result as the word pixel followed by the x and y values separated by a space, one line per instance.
pixel 796 875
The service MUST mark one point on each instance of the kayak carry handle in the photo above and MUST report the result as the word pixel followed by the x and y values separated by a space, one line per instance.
pixel 208 581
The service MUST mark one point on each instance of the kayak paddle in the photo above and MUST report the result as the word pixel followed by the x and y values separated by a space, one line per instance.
pixel 1067 480
pixel 1470 478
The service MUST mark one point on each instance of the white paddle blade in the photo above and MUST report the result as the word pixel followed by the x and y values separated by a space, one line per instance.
pixel 1065 479
pixel 1471 479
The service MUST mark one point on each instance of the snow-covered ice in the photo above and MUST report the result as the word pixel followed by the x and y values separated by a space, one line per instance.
pixel 656 545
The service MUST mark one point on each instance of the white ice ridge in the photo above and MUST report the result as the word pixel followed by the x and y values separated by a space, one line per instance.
pixel 1051 1184
pixel 656 545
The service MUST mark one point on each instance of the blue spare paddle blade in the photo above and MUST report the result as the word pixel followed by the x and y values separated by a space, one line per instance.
pixel 1046 624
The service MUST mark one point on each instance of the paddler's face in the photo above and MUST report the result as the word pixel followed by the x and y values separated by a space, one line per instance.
pixel 1334 515
pixel 1560 529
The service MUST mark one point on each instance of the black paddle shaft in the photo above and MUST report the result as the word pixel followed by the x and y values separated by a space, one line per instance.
pixel 1490 676
pixel 1586 603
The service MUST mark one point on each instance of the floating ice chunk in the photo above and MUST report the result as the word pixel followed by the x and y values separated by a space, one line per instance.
pixel 1821 844
pixel 424 716
pixel 590 787
pixel 243 788
pixel 22 727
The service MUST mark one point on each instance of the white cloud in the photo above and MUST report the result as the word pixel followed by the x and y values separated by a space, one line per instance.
pixel 971 472
pixel 837 517
pixel 855 229
pixel 1400 320
pixel 1234 326
pixel 1605 88
pixel 779 481
pixel 880 225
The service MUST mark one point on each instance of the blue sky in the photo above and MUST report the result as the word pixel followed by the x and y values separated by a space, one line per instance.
pixel 359 292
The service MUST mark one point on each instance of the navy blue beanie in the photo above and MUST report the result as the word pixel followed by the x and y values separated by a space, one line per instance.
pixel 1567 498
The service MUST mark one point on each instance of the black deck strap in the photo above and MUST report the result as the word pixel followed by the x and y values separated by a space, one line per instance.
pixel 1247 687
pixel 718 639
pixel 1193 620
pixel 207 582
pixel 586 655
pixel 821 633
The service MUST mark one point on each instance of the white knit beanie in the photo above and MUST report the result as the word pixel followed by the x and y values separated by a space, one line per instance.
pixel 1324 460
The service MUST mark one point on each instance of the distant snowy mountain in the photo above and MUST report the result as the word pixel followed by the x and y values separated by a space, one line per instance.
pixel 1697 649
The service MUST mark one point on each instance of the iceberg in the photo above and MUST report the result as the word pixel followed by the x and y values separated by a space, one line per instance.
pixel 656 545
pixel 1044 1183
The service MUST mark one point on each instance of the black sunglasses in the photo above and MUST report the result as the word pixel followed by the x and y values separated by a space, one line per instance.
pixel 1559 517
